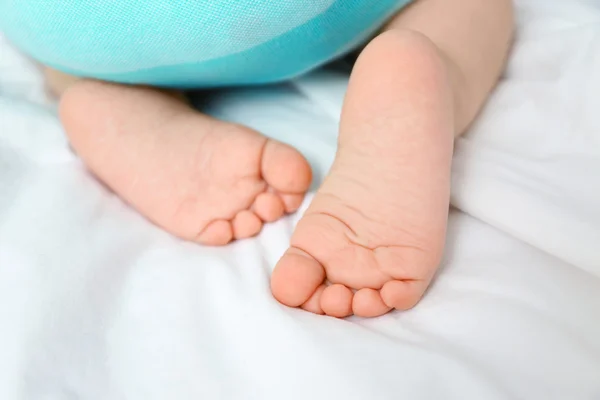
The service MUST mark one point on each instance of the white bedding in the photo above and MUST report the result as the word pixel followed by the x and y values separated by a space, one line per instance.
pixel 96 303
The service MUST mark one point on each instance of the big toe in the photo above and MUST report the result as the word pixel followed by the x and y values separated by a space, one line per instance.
pixel 296 278
pixel 285 169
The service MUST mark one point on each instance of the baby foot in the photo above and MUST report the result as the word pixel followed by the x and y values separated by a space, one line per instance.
pixel 373 236
pixel 201 179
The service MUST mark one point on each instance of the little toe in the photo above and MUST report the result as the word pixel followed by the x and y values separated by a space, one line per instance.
pixel 336 301
pixel 296 277
pixel 217 233
pixel 246 224
pixel 269 207
pixel 403 295
pixel 368 303
pixel 285 169
pixel 313 304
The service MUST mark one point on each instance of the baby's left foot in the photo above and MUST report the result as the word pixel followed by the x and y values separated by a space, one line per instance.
pixel 373 237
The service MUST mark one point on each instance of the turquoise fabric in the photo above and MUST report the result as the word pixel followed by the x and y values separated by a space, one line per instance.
pixel 191 43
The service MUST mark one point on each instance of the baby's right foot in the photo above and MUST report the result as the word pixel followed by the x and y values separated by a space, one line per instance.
pixel 373 237
pixel 199 178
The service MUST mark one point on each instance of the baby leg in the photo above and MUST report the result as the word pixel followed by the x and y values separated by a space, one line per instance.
pixel 58 82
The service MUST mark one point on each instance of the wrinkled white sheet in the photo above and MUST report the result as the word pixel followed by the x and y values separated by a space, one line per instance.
pixel 96 303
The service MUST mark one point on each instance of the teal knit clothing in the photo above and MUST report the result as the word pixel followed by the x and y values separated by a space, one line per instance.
pixel 191 43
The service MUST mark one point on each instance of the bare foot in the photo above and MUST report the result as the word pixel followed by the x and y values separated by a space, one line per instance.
pixel 201 179
pixel 373 237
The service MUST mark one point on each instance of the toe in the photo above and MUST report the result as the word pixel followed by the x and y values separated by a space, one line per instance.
pixel 285 169
pixel 368 303
pixel 292 202
pixel 296 278
pixel 246 224
pixel 269 207
pixel 217 233
pixel 313 304
pixel 336 301
pixel 403 295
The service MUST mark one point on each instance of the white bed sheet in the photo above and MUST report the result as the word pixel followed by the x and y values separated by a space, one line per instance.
pixel 96 303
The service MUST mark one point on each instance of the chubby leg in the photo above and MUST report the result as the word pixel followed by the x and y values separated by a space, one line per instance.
pixel 199 178
pixel 58 82
pixel 373 237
